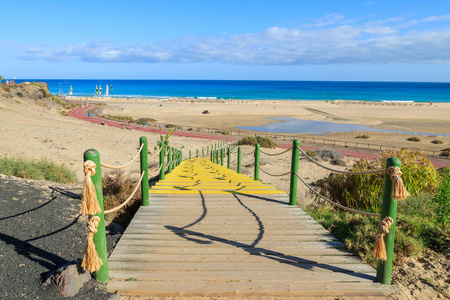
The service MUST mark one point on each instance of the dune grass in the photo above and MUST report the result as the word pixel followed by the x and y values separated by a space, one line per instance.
pixel 42 169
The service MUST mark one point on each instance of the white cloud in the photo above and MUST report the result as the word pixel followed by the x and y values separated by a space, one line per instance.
pixel 372 43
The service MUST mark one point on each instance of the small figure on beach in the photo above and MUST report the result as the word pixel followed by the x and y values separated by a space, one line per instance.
pixel 89 115
pixel 103 123
pixel 143 124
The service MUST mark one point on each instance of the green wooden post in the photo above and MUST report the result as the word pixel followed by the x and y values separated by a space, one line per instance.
pixel 100 236
pixel 207 149
pixel 162 158
pixel 169 159
pixel 388 209
pixel 239 160
pixel 197 153
pixel 174 157
pixel 211 156
pixel 294 169
pixel 190 154
pixel 217 156
pixel 256 176
pixel 180 156
pixel 144 168
pixel 203 151
pixel 221 156
pixel 228 158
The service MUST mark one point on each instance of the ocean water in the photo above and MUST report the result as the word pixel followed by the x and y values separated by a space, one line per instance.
pixel 259 90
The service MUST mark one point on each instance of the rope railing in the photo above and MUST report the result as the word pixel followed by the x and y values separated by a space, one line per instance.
pixel 334 203
pixel 275 154
pixel 157 173
pixel 339 171
pixel 96 252
pixel 154 153
pixel 274 175
pixel 125 165
pixel 253 151
pixel 128 199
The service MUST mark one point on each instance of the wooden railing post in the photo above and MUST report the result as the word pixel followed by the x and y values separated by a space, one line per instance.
pixel 228 158
pixel 162 158
pixel 169 159
pixel 388 209
pixel 221 156
pixel 294 169
pixel 238 168
pixel 256 176
pixel 144 168
pixel 190 154
pixel 100 236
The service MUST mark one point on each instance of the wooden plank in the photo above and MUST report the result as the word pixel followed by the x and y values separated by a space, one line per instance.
pixel 132 254
pixel 197 240
pixel 249 288
pixel 223 275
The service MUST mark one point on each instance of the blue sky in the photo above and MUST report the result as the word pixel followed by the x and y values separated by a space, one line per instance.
pixel 375 40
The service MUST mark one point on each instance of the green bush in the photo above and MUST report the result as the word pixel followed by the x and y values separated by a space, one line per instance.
pixel 172 126
pixel 442 199
pixel 45 93
pixel 20 94
pixel 146 120
pixel 311 153
pixel 42 169
pixel 414 139
pixel 262 141
pixel 417 228
pixel 120 118
pixel 364 136
pixel 365 191
pixel 439 142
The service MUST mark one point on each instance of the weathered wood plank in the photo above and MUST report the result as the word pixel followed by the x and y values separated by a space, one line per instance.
pixel 206 242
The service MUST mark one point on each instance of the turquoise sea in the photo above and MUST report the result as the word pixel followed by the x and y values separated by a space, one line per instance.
pixel 256 89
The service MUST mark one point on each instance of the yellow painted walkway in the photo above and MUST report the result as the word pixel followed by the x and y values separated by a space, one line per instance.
pixel 212 232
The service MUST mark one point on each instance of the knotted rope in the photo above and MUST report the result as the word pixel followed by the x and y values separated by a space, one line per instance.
pixel 275 154
pixel 125 165
pixel 91 261
pixel 380 248
pixel 399 191
pixel 90 204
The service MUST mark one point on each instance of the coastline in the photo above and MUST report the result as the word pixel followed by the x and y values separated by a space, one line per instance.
pixel 231 114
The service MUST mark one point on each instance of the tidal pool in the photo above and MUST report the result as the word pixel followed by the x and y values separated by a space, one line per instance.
pixel 291 125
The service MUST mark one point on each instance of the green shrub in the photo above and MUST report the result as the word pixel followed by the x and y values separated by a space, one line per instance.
pixel 442 199
pixel 363 137
pixel 414 139
pixel 42 169
pixel 146 120
pixel 445 153
pixel 439 142
pixel 311 153
pixel 262 141
pixel 120 118
pixel 172 126
pixel 20 94
pixel 417 228
pixel 45 93
pixel 365 191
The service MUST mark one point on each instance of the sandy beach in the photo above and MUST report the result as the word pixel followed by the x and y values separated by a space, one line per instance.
pixel 32 129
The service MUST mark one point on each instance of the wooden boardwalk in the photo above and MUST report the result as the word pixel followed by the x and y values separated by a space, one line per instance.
pixel 212 232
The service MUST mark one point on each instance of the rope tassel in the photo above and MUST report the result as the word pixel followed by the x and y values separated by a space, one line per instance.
pixel 399 191
pixel 380 248
pixel 91 261
pixel 90 204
